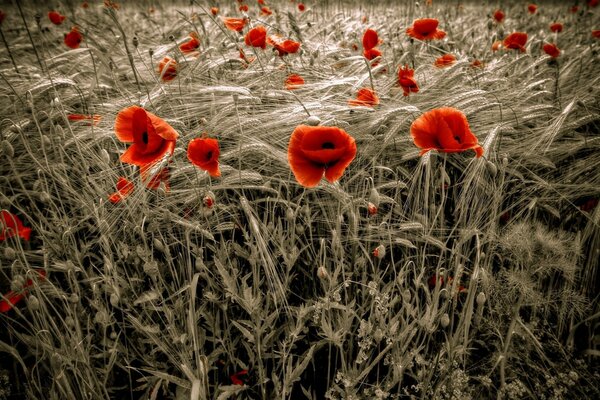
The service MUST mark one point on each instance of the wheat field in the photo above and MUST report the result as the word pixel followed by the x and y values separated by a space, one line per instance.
pixel 418 271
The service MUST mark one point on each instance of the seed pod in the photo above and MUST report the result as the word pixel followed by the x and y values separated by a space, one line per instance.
pixel 445 320
pixel 322 272
pixel 8 149
pixel 492 169
pixel 10 253
pixel 480 299
pixel 114 299
pixel 33 303
pixel 372 209
pixel 74 298
pixel 313 120
pixel 105 156
pixel 135 41
pixel 289 214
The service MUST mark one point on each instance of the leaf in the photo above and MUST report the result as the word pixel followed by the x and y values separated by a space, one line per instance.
pixel 230 390
pixel 145 297
pixel 301 366
pixel 247 334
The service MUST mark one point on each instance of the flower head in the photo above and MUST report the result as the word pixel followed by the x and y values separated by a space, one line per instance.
pixel 532 8
pixel 516 40
pixel 551 49
pixel 73 39
pixel 406 79
pixel 446 130
pixel 204 153
pixel 191 45
pixel 11 225
pixel 151 136
pixel 283 46
pixel 556 27
pixel 445 61
pixel 56 18
pixel 167 69
pixel 235 24
pixel 294 81
pixel 365 97
pixel 425 29
pixel 124 189
pixel 499 16
pixel 92 119
pixel 315 151
pixel 257 37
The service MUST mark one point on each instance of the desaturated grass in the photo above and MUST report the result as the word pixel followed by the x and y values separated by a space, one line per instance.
pixel 161 296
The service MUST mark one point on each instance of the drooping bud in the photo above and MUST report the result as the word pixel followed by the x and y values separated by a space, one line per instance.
pixel 322 272
pixel 379 252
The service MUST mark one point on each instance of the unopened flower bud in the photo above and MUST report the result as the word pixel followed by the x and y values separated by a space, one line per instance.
pixel 492 169
pixel 10 253
pixel 372 209
pixel 445 320
pixel 114 299
pixel 313 120
pixel 8 149
pixel 135 41
pixel 374 197
pixel 322 272
pixel 33 303
pixel 209 200
pixel 480 299
pixel 379 252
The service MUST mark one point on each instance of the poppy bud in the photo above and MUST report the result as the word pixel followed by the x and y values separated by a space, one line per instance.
pixel 289 214
pixel 33 303
pixel 371 209
pixel 490 25
pixel 151 268
pixel 445 320
pixel 135 41
pixel 46 140
pixel 313 120
pixel 406 295
pixel 44 197
pixel 102 318
pixel 158 245
pixel 322 273
pixel 492 169
pixel 199 264
pixel 209 200
pixel 480 299
pixel 7 149
pixel 69 321
pixel 114 299
pixel 377 335
pixel 17 283
pixel 379 252
pixel 113 335
pixel 74 298
pixel 105 156
pixel 374 197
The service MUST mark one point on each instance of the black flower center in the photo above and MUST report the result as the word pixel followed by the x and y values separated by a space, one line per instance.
pixel 209 155
pixel 457 138
pixel 328 145
pixel 145 137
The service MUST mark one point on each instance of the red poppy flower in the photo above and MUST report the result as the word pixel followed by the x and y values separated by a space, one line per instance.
pixel 556 27
pixel 73 39
pixel 477 64
pixel 445 60
pixel 574 9
pixel 261 2
pixel 111 4
pixel 245 58
pixel 265 11
pixel 283 47
pixel 244 8
pixel 294 81
pixel 93 119
pixel 446 130
pixel 12 298
pixel 191 45
pixel 425 29
pixel 124 189
pixel 167 69
pixel 551 49
pixel 56 18
pixel 235 24
pixel 371 54
pixel 11 225
pixel 365 97
pixel 496 45
pixel 516 40
pixel 236 378
pixel 532 8
pixel 204 153
pixel 370 39
pixel 151 136
pixel 592 3
pixel 498 16
pixel 406 79
pixel 596 33
pixel 317 150
pixel 301 7
pixel 2 16
pixel 432 281
pixel 257 37
pixel 214 10
pixel 589 205
pixel 154 175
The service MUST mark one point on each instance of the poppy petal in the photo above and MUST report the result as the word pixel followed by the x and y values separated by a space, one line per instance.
pixel 127 121
pixel 370 39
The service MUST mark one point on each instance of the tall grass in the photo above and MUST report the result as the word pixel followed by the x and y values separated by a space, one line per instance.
pixel 485 279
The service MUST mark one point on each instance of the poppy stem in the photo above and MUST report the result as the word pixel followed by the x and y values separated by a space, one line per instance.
pixel 29 34
pixel 370 74
pixel 299 101
pixel 112 15
pixel 8 50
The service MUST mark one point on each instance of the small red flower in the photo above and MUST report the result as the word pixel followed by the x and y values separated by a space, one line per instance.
pixel 92 119
pixel 151 136
pixel 111 4
pixel 257 37
pixel 370 39
pixel 532 8
pixel 236 378
pixel 496 45
pixel 499 16
pixel 371 209
pixel 315 151
pixel 406 79
pixel 596 33
pixel 301 7
pixel 167 69
pixel 12 298
pixel 516 40
pixel 445 61
pixel 556 27
pixel 244 8
pixel 477 64
pixel 153 175
pixel 552 50
pixel 574 9
pixel 446 130
pixel 85 5
pixel 365 97
pixel 593 3
pixel 589 205
pixel 73 39
pixel 124 189
pixel 266 11
pixel 191 45
pixel 293 82
pixel 283 46
pixel 56 18
pixel 2 16
pixel 11 225
pixel 204 153
pixel 235 24
pixel 214 11
pixel 371 54
pixel 425 29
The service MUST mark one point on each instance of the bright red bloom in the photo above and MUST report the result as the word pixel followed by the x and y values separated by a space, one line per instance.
pixel 124 189
pixel 151 136
pixel 266 11
pixel 596 33
pixel 551 49
pixel 283 47
pixel 532 8
pixel 191 45
pixel 445 60
pixel 85 4
pixel 496 45
pixel 56 18
pixel 2 16
pixel 499 16
pixel 92 119
pixel 73 39
pixel 425 29
pixel 214 10
pixel 477 64
pixel 370 39
pixel 371 54
pixel 11 225
pixel 301 7
pixel 317 150
pixel 261 2
pixel 257 37
pixel 365 97
pixel 167 69
pixel 446 130
pixel 245 58
pixel 294 81
pixel 592 3
pixel 235 24
pixel 12 297
pixel 556 27
pixel 236 378
pixel 204 153
pixel 516 40
pixel 432 281
pixel 406 79
pixel 244 8
pixel 153 175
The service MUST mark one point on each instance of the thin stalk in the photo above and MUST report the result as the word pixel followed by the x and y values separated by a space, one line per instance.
pixel 9 52
pixel 29 34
